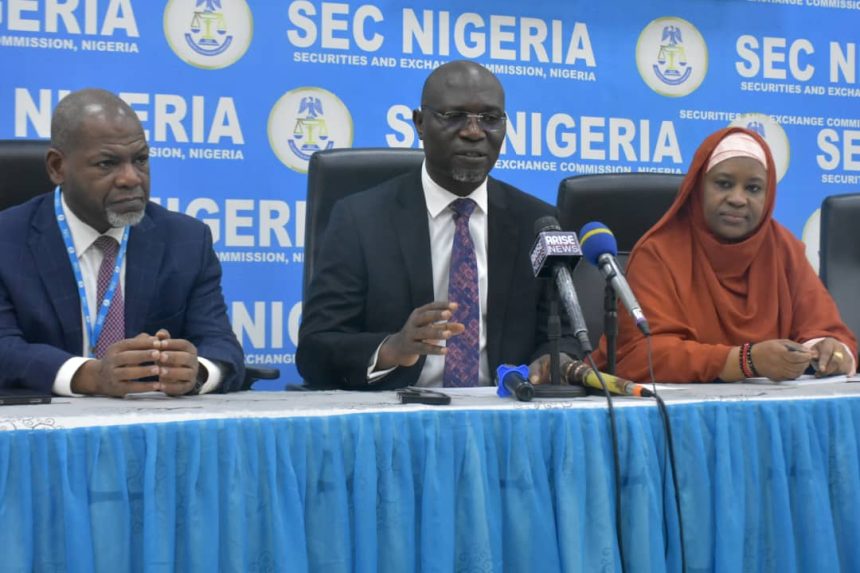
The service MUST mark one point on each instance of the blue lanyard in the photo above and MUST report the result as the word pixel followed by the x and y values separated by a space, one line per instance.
pixel 93 330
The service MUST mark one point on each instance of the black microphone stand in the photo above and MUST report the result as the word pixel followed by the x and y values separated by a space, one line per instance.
pixel 555 389
pixel 553 335
pixel 610 326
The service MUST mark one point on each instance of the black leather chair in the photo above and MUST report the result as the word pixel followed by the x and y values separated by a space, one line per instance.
pixel 22 171
pixel 629 204
pixel 336 173
pixel 839 264
pixel 23 176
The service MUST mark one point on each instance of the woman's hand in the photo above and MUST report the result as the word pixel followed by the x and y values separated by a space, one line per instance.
pixel 830 357
pixel 780 359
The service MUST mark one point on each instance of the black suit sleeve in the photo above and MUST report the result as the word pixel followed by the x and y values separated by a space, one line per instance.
pixel 334 345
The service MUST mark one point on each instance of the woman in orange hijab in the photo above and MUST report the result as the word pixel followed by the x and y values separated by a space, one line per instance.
pixel 727 290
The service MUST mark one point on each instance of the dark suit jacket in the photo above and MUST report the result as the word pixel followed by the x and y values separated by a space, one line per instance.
pixel 172 281
pixel 374 269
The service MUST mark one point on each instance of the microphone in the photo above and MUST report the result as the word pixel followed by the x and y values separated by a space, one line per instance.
pixel 600 248
pixel 582 373
pixel 552 251
pixel 514 380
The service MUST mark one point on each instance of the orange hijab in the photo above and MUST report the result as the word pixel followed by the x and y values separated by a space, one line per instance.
pixel 702 296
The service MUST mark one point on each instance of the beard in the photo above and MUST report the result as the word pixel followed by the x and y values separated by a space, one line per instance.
pixel 468 175
pixel 119 220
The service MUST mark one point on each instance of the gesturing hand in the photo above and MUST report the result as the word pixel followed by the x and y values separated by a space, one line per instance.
pixel 425 328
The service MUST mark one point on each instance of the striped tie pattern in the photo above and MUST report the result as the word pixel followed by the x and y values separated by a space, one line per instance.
pixel 113 329
pixel 462 359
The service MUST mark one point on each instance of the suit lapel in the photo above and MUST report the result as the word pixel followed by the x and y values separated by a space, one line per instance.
pixel 143 259
pixel 413 233
pixel 52 262
pixel 502 240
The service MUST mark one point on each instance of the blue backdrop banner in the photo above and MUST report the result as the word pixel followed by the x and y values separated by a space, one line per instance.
pixel 235 97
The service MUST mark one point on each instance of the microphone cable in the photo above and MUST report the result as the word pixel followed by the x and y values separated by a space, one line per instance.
pixel 667 428
pixel 613 430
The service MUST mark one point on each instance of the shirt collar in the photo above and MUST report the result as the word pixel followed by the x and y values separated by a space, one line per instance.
pixel 438 198
pixel 83 236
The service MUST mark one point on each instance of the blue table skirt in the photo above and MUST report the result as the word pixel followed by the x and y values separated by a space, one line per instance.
pixel 766 486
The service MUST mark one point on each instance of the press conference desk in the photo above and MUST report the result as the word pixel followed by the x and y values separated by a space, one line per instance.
pixel 336 481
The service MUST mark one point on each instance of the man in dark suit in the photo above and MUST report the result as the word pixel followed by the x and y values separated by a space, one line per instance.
pixel 397 299
pixel 102 292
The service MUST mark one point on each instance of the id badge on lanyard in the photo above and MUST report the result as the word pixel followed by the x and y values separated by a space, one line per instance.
pixel 94 328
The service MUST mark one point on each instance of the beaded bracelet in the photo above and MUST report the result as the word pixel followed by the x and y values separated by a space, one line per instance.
pixel 750 361
pixel 744 361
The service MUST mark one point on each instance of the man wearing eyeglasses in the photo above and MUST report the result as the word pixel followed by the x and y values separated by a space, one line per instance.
pixel 426 280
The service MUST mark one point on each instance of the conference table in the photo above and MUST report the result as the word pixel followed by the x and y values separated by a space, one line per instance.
pixel 768 478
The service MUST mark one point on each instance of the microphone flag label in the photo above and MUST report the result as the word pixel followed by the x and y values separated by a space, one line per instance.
pixel 554 244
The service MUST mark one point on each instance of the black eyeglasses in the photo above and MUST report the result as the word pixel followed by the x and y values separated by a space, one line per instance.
pixel 489 121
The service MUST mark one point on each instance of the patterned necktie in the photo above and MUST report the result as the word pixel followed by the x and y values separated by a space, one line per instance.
pixel 113 329
pixel 462 359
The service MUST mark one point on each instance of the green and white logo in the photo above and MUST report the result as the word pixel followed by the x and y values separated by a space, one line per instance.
pixel 306 120
pixel 672 57
pixel 209 34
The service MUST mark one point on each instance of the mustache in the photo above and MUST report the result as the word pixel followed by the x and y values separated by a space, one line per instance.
pixel 136 193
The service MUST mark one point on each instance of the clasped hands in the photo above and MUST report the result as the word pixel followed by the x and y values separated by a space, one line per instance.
pixel 119 372
pixel 786 360
pixel 424 331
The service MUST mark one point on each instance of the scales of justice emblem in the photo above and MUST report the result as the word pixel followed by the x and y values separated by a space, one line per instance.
pixel 208 35
pixel 672 58
pixel 310 132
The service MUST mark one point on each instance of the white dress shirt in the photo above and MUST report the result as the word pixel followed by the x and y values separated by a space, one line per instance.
pixel 440 218
pixel 90 259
